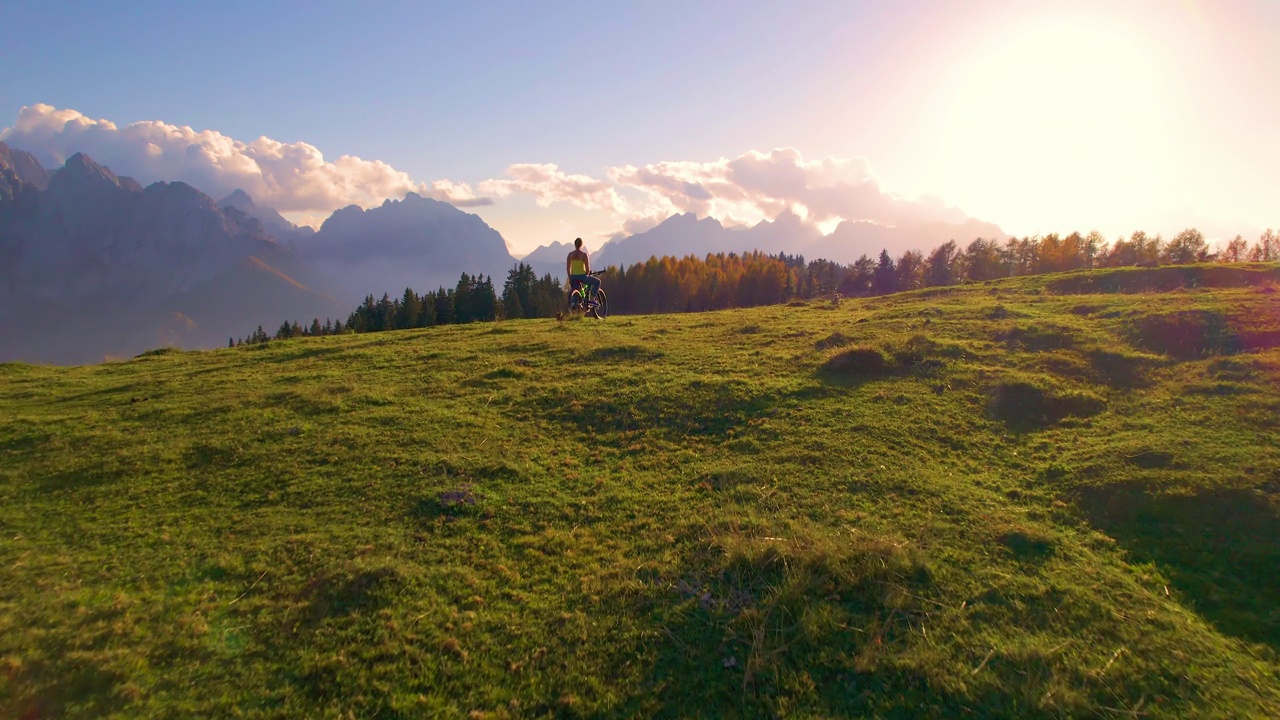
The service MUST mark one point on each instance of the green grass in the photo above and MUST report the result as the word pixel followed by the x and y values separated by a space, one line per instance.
pixel 1045 497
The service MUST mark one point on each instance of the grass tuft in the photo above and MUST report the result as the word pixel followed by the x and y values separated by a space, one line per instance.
pixel 1187 334
pixel 1025 405
pixel 859 362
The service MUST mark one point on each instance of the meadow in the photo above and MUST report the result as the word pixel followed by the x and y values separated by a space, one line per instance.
pixel 1042 497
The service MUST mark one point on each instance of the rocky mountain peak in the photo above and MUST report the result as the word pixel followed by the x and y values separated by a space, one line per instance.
pixel 82 177
pixel 273 221
pixel 25 166
pixel 238 199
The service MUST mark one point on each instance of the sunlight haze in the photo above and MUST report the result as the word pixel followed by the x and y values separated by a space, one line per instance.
pixel 574 119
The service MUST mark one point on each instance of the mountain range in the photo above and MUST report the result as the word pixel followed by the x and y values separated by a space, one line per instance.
pixel 685 234
pixel 94 265
pixel 415 242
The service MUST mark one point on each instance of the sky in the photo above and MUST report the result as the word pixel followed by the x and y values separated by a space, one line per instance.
pixel 557 120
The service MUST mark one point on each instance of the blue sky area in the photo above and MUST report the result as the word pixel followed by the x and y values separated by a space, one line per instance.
pixel 1039 116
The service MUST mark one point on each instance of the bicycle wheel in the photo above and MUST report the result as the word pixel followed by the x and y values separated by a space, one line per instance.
pixel 602 304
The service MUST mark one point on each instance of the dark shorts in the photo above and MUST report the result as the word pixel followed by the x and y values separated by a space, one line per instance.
pixel 592 282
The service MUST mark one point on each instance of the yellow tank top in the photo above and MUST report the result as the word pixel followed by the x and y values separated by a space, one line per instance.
pixel 577 267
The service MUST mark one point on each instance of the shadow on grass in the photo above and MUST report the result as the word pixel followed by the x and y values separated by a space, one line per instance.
pixel 1026 407
pixel 851 367
pixel 348 590
pixel 1219 548
pixel 79 478
pixel 303 354
pixel 702 408
pixel 1188 334
pixel 1120 370
pixel 621 353
pixel 74 688
pixel 772 627
pixel 1163 279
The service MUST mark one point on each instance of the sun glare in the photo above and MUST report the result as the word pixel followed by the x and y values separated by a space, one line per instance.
pixel 1058 123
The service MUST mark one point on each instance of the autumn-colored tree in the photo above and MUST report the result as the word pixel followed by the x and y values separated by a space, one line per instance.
pixel 982 260
pixel 1186 247
pixel 940 266
pixel 1267 248
pixel 1235 251
pixel 910 270
pixel 1095 245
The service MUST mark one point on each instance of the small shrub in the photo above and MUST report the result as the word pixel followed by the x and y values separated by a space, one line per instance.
pixel 1038 338
pixel 1188 333
pixel 1076 403
pixel 504 373
pixel 1150 459
pixel 1118 369
pixel 1026 406
pixel 833 340
pixel 1027 544
pixel 914 351
pixel 727 479
pixel 158 352
pixel 622 352
pixel 860 361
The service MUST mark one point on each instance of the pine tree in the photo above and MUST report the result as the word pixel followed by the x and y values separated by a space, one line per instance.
pixel 463 311
pixel 427 313
pixel 484 300
pixel 885 280
pixel 512 305
pixel 444 306
pixel 410 308
pixel 385 319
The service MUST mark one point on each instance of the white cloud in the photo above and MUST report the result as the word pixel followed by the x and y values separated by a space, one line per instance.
pixel 548 184
pixel 290 177
pixel 296 179
pixel 758 185
pixel 744 190
pixel 458 194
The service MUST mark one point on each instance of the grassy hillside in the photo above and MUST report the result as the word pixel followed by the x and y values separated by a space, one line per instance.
pixel 1046 497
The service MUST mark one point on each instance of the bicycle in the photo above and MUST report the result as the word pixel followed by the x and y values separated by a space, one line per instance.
pixel 579 302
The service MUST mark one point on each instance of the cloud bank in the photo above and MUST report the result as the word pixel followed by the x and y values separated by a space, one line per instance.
pixel 744 190
pixel 296 178
pixel 290 177
pixel 755 186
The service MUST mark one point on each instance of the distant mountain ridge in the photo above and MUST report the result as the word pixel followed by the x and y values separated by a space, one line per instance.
pixel 274 222
pixel 415 242
pixel 549 258
pixel 686 234
pixel 95 265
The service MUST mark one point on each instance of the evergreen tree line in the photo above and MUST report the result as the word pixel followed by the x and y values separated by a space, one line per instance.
pixel 473 299
pixel 721 281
